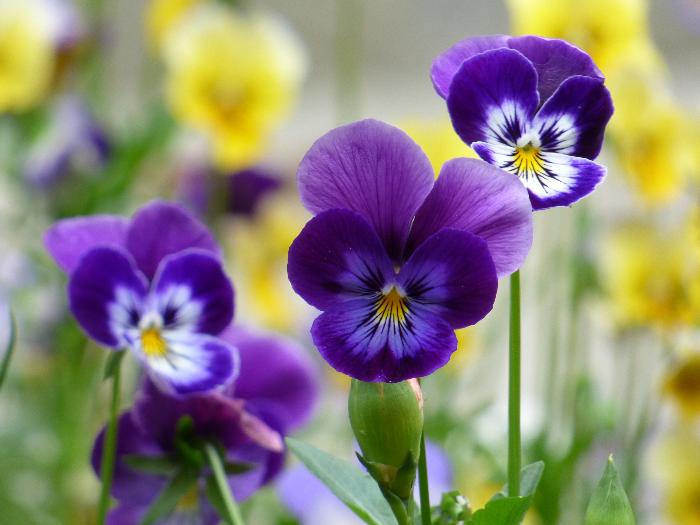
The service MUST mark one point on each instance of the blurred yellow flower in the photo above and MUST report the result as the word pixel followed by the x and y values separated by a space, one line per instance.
pixel 162 15
pixel 676 461
pixel 438 140
pixel 232 77
pixel 27 58
pixel 652 280
pixel 682 385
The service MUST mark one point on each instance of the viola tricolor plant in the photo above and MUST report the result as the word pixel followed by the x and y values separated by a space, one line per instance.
pixel 154 284
pixel 535 107
pixel 395 260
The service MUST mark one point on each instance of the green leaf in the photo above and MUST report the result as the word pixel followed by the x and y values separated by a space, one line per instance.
pixel 530 476
pixel 113 362
pixel 609 504
pixel 164 465
pixel 353 487
pixel 9 349
pixel 171 495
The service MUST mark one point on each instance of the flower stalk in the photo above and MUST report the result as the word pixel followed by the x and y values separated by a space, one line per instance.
pixel 110 445
pixel 233 514
pixel 423 484
pixel 514 445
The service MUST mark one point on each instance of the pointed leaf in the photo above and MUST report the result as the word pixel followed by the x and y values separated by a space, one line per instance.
pixel 502 511
pixel 530 476
pixel 168 499
pixel 114 361
pixel 6 355
pixel 609 504
pixel 354 488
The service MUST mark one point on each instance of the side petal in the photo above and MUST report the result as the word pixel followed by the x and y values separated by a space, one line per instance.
pixel 445 66
pixel 371 168
pixel 160 229
pixel 451 274
pixel 352 341
pixel 191 363
pixel 473 196
pixel 69 239
pixel 278 379
pixel 106 294
pixel 191 292
pixel 493 96
pixel 336 257
pixel 555 60
pixel 573 120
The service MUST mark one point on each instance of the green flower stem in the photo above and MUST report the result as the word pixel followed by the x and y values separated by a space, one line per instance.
pixel 109 448
pixel 349 17
pixel 514 447
pixel 423 484
pixel 233 514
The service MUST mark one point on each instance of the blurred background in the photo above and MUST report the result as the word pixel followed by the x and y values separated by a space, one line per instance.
pixel 105 105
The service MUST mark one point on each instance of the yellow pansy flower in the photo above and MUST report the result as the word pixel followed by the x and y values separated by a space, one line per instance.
pixel 438 140
pixel 163 15
pixel 232 77
pixel 682 385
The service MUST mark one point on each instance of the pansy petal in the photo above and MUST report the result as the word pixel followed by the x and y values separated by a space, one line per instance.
pixel 493 97
pixel 266 465
pixel 69 239
pixel 160 229
pixel 452 275
pixel 106 294
pixel 190 363
pixel 573 120
pixel 353 342
pixel 192 292
pixel 555 60
pixel 473 196
pixel 373 169
pixel 278 379
pixel 129 484
pixel 337 256
pixel 445 66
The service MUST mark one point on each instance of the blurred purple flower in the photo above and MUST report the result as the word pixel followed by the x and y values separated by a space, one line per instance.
pixel 533 106
pixel 312 503
pixel 153 284
pixel 73 141
pixel 274 395
pixel 397 261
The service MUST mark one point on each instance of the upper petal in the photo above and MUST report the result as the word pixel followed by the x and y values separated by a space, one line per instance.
pixel 160 229
pixel 473 196
pixel 106 294
pixel 573 120
pixel 452 275
pixel 337 256
pixel 493 96
pixel 69 239
pixel 192 292
pixel 447 63
pixel 555 60
pixel 373 169
pixel 278 379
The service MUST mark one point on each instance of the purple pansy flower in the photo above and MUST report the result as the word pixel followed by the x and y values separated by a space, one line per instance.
pixel 397 261
pixel 154 284
pixel 274 395
pixel 536 107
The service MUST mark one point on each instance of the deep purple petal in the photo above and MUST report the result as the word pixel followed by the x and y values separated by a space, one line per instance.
pixel 473 196
pixel 493 97
pixel 69 239
pixel 130 485
pixel 106 294
pixel 452 275
pixel 337 256
pixel 354 342
pixel 555 61
pixel 126 514
pixel 373 169
pixel 266 466
pixel 191 292
pixel 446 65
pixel 573 120
pixel 278 380
pixel 248 188
pixel 160 229
pixel 575 179
pixel 192 363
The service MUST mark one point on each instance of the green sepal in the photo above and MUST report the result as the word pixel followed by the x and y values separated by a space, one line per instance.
pixel 159 465
pixel 233 467
pixel 170 496
pixel 398 481
pixel 114 361
pixel 609 504
pixel 189 446
pixel 9 349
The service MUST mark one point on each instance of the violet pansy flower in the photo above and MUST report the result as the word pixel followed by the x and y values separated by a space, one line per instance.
pixel 395 260
pixel 155 285
pixel 535 107
pixel 274 394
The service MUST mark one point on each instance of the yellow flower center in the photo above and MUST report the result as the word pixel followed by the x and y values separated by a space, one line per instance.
pixel 153 343
pixel 392 305
pixel 528 160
